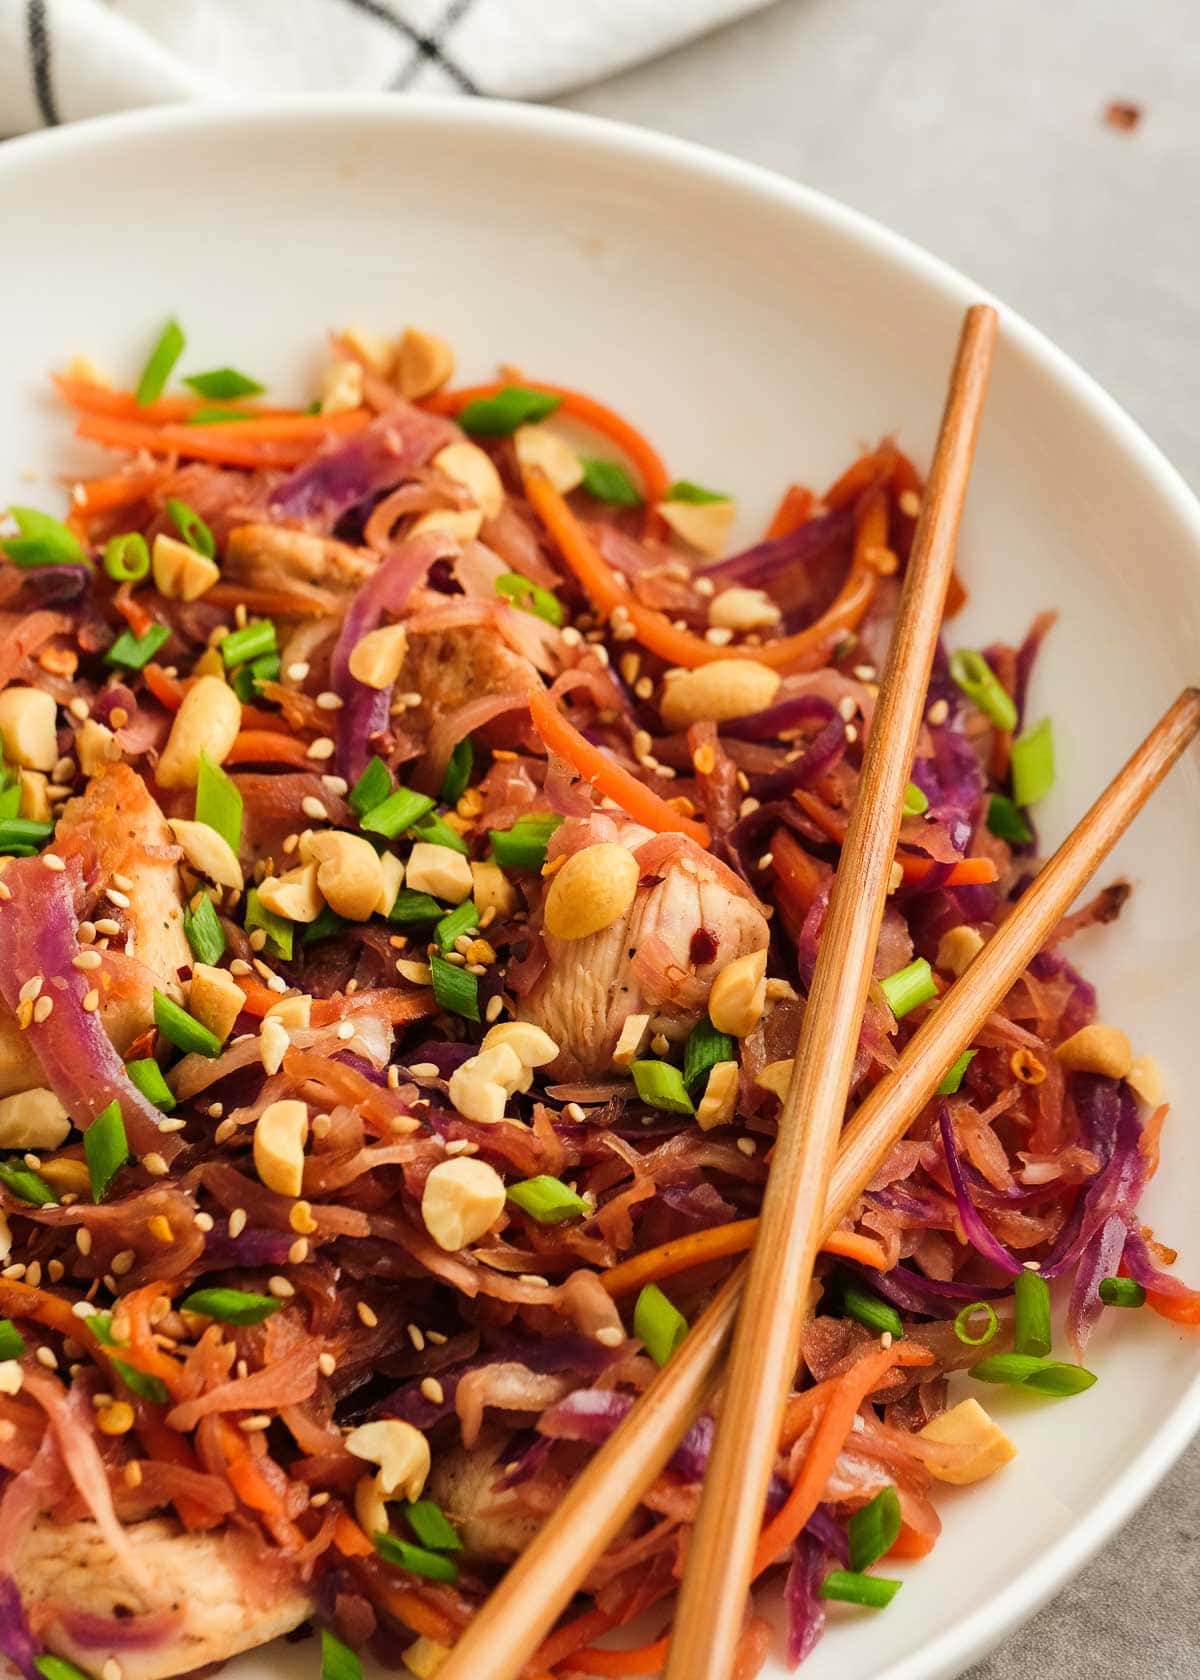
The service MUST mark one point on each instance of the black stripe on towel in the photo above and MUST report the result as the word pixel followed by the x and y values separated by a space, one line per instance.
pixel 39 58
pixel 426 47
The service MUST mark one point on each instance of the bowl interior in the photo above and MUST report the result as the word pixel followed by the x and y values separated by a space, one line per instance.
pixel 759 334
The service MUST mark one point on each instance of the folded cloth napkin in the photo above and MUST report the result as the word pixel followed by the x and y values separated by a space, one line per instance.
pixel 65 59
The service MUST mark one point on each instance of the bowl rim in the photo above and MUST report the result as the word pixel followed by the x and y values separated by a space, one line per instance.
pixel 946 1653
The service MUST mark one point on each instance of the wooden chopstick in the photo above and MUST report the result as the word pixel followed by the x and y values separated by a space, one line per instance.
pixel 539 1585
pixel 766 1339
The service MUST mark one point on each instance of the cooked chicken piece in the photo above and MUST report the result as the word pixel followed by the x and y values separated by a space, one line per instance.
pixel 464 1483
pixel 449 667
pixel 215 1593
pixel 689 918
pixel 116 829
pixel 272 557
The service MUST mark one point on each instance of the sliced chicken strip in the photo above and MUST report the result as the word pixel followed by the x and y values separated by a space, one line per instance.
pixel 272 557
pixel 465 1484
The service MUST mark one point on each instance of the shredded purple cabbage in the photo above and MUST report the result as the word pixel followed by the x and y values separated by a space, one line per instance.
pixel 982 1240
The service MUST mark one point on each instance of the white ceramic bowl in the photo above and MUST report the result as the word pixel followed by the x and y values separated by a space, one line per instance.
pixel 759 333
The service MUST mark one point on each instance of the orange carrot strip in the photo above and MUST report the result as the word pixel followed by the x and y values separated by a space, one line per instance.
pixel 641 1659
pixel 860 475
pixel 382 1003
pixel 411 1609
pixel 1149 1142
pixel 609 779
pixel 285 427
pixel 271 603
pixel 852 1245
pixel 23 1300
pixel 967 872
pixel 268 746
pixel 795 506
pixel 718 1242
pixel 169 691
pixel 132 610
pixel 350 1539
pixel 118 490
pixel 911 1544
pixel 90 398
pixel 242 445
pixel 568 1639
pixel 1180 1309
pixel 798 878
pixel 258 998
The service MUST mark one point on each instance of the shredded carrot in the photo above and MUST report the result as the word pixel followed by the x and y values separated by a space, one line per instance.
pixel 118 490
pixel 252 1486
pixel 167 1444
pixel 259 998
pixel 132 610
pixel 269 746
pixel 909 1543
pixel 641 1659
pixel 141 1350
pixel 718 1242
pixel 967 872
pixel 1180 1309
pixel 411 1609
pixel 382 1003
pixel 90 398
pixel 608 778
pixel 568 1639
pixel 795 507
pixel 272 442
pixel 167 690
pixel 23 1300
pixel 271 603
pixel 869 470
pixel 350 1539
pixel 798 878
pixel 1148 1143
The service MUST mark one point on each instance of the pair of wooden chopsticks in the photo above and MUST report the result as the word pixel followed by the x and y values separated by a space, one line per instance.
pixel 809 1193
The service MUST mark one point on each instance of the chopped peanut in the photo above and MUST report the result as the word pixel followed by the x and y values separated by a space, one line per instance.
pixel 377 352
pixel 208 852
pixel 716 1107
pixel 462 1199
pixel 274 1042
pixel 35 796
pixel 280 1134
pixel 392 870
pixel 539 447
pixel 349 873
pixel 215 999
pixel 462 523
pixel 481 1086
pixel 957 949
pixel 440 871
pixel 533 1047
pixel 208 720
pixel 370 1507
pixel 399 1449
pixel 1097 1049
pixel 776 1077
pixel 292 1012
pixel 702 525
pixel 739 995
pixel 1145 1080
pixel 96 746
pixel 424 362
pixel 725 689
pixel 632 1037
pixel 28 727
pixel 492 890
pixel 593 889
pixel 342 387
pixel 743 609
pixel 293 895
pixel 469 466
pixel 376 658
pixel 968 1425
pixel 180 573
pixel 426 1658
pixel 32 1120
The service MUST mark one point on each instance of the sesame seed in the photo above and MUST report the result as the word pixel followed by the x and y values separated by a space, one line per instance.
pixel 108 927
pixel 328 701
pixel 83 1240
pixel 393 1078
pixel 416 1338
pixel 225 1131
pixel 280 1288
pixel 169 1125
pixel 297 671
pixel 257 938
pixel 112 1670
pixel 298 1253
pixel 215 1110
pixel 239 966
pixel 47 1357
pixel 237 1222
pixel 909 503
pixel 16 1270
pixel 64 769
pixel 345 1031
pixel 79 708
pixel 43 1009
pixel 86 959
pixel 33 1275
pixel 432 1389
pixel 885 1340
pixel 610 1335
pixel 366 1314
pixel 276 983
pixel 252 1425
pixel 336 784
pixel 847 706
pixel 573 1111
pixel 313 807
pixel 123 1262
pixel 938 712
pixel 81 1309
pixel 322 1498
pixel 154 1165
pixel 533 1278
pixel 747 1146
pixel 53 862
pixel 204 1222
pixel 326 1364
pixel 766 860
pixel 321 748
pixel 55 1270
pixel 5 891
pixel 436 1337
pixel 30 989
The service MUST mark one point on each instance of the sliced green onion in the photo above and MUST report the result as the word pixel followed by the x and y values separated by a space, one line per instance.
pixel 58 1668
pixel 458 772
pixel 453 926
pixel 146 1388
pixel 609 482
pixel 398 812
pixel 1031 1324
pixel 704 1049
pixel 338 1661
pixel 44 541
pixel 252 639
pixel 962 1324
pixel 435 1566
pixel 867 1307
pixel 25 1183
pixel 158 368
pixel 202 927
pixel 530 597
pixel 874 1530
pixel 12 1343
pixel 660 1084
pixel 548 1200
pixel 148 1077
pixel 105 1147
pixel 436 831
pixel 218 802
pixel 23 835
pixel 916 801
pixel 10 790
pixel 219 416
pixel 454 988
pixel 1032 763
pixel 100 1324
pixel 413 907
pixel 183 1030
pixel 1006 820
pixel 126 557
pixel 909 987
pixel 371 788
pixel 247 682
pixel 231 1306
pixel 281 934
pixel 683 490
pixel 512 406
pixel 221 384
pixel 1023 1370
pixel 135 651
pixel 873 1592
pixel 523 846
pixel 1121 1292
pixel 327 924
pixel 428 1522
pixel 983 687
pixel 954 1078
pixel 192 529
pixel 658 1324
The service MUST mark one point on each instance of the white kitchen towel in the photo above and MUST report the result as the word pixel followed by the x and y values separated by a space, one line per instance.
pixel 65 59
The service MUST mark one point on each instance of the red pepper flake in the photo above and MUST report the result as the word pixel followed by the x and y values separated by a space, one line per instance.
pixel 703 947
pixel 1120 114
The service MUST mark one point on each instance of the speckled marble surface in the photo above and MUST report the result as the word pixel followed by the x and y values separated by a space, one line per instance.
pixel 977 128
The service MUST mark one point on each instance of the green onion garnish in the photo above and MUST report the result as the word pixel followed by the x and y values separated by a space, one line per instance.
pixel 248 680
pixel 1033 763
pixel 548 1200
pixel 512 406
pixel 660 1084
pixel 218 802
pixel 231 1306
pixel 454 988
pixel 413 907
pixel 162 359
pixel 1006 820
pixel 135 651
pixel 909 987
pixel 530 597
pixel 398 812
pixel 954 1078
pixel 338 1661
pixel 327 924
pixel 371 788
pixel 1023 1370
pixel 281 933
pixel 436 831
pixel 962 1324
pixel 10 791
pixel 873 1592
pixel 1121 1292
pixel 459 921
pixel 148 1077
pixel 12 1343
pixel 983 687
pixel 1031 1296
pixel 428 1522
pixel 609 482
pixel 58 1668
pixel 145 1387
pixel 21 836
pixel 218 416
pixel 704 1049
pixel 874 1530
pixel 44 541
pixel 868 1309
pixel 683 490
pixel 916 801
pixel 435 1566
pixel 126 558
pixel 100 1325
pixel 183 1030
pixel 192 529
pixel 204 932
pixel 25 1183
pixel 105 1145
pixel 252 639
pixel 222 384
pixel 523 846
pixel 458 771
pixel 658 1324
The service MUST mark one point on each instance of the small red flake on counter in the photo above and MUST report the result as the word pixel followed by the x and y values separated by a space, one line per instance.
pixel 1119 114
